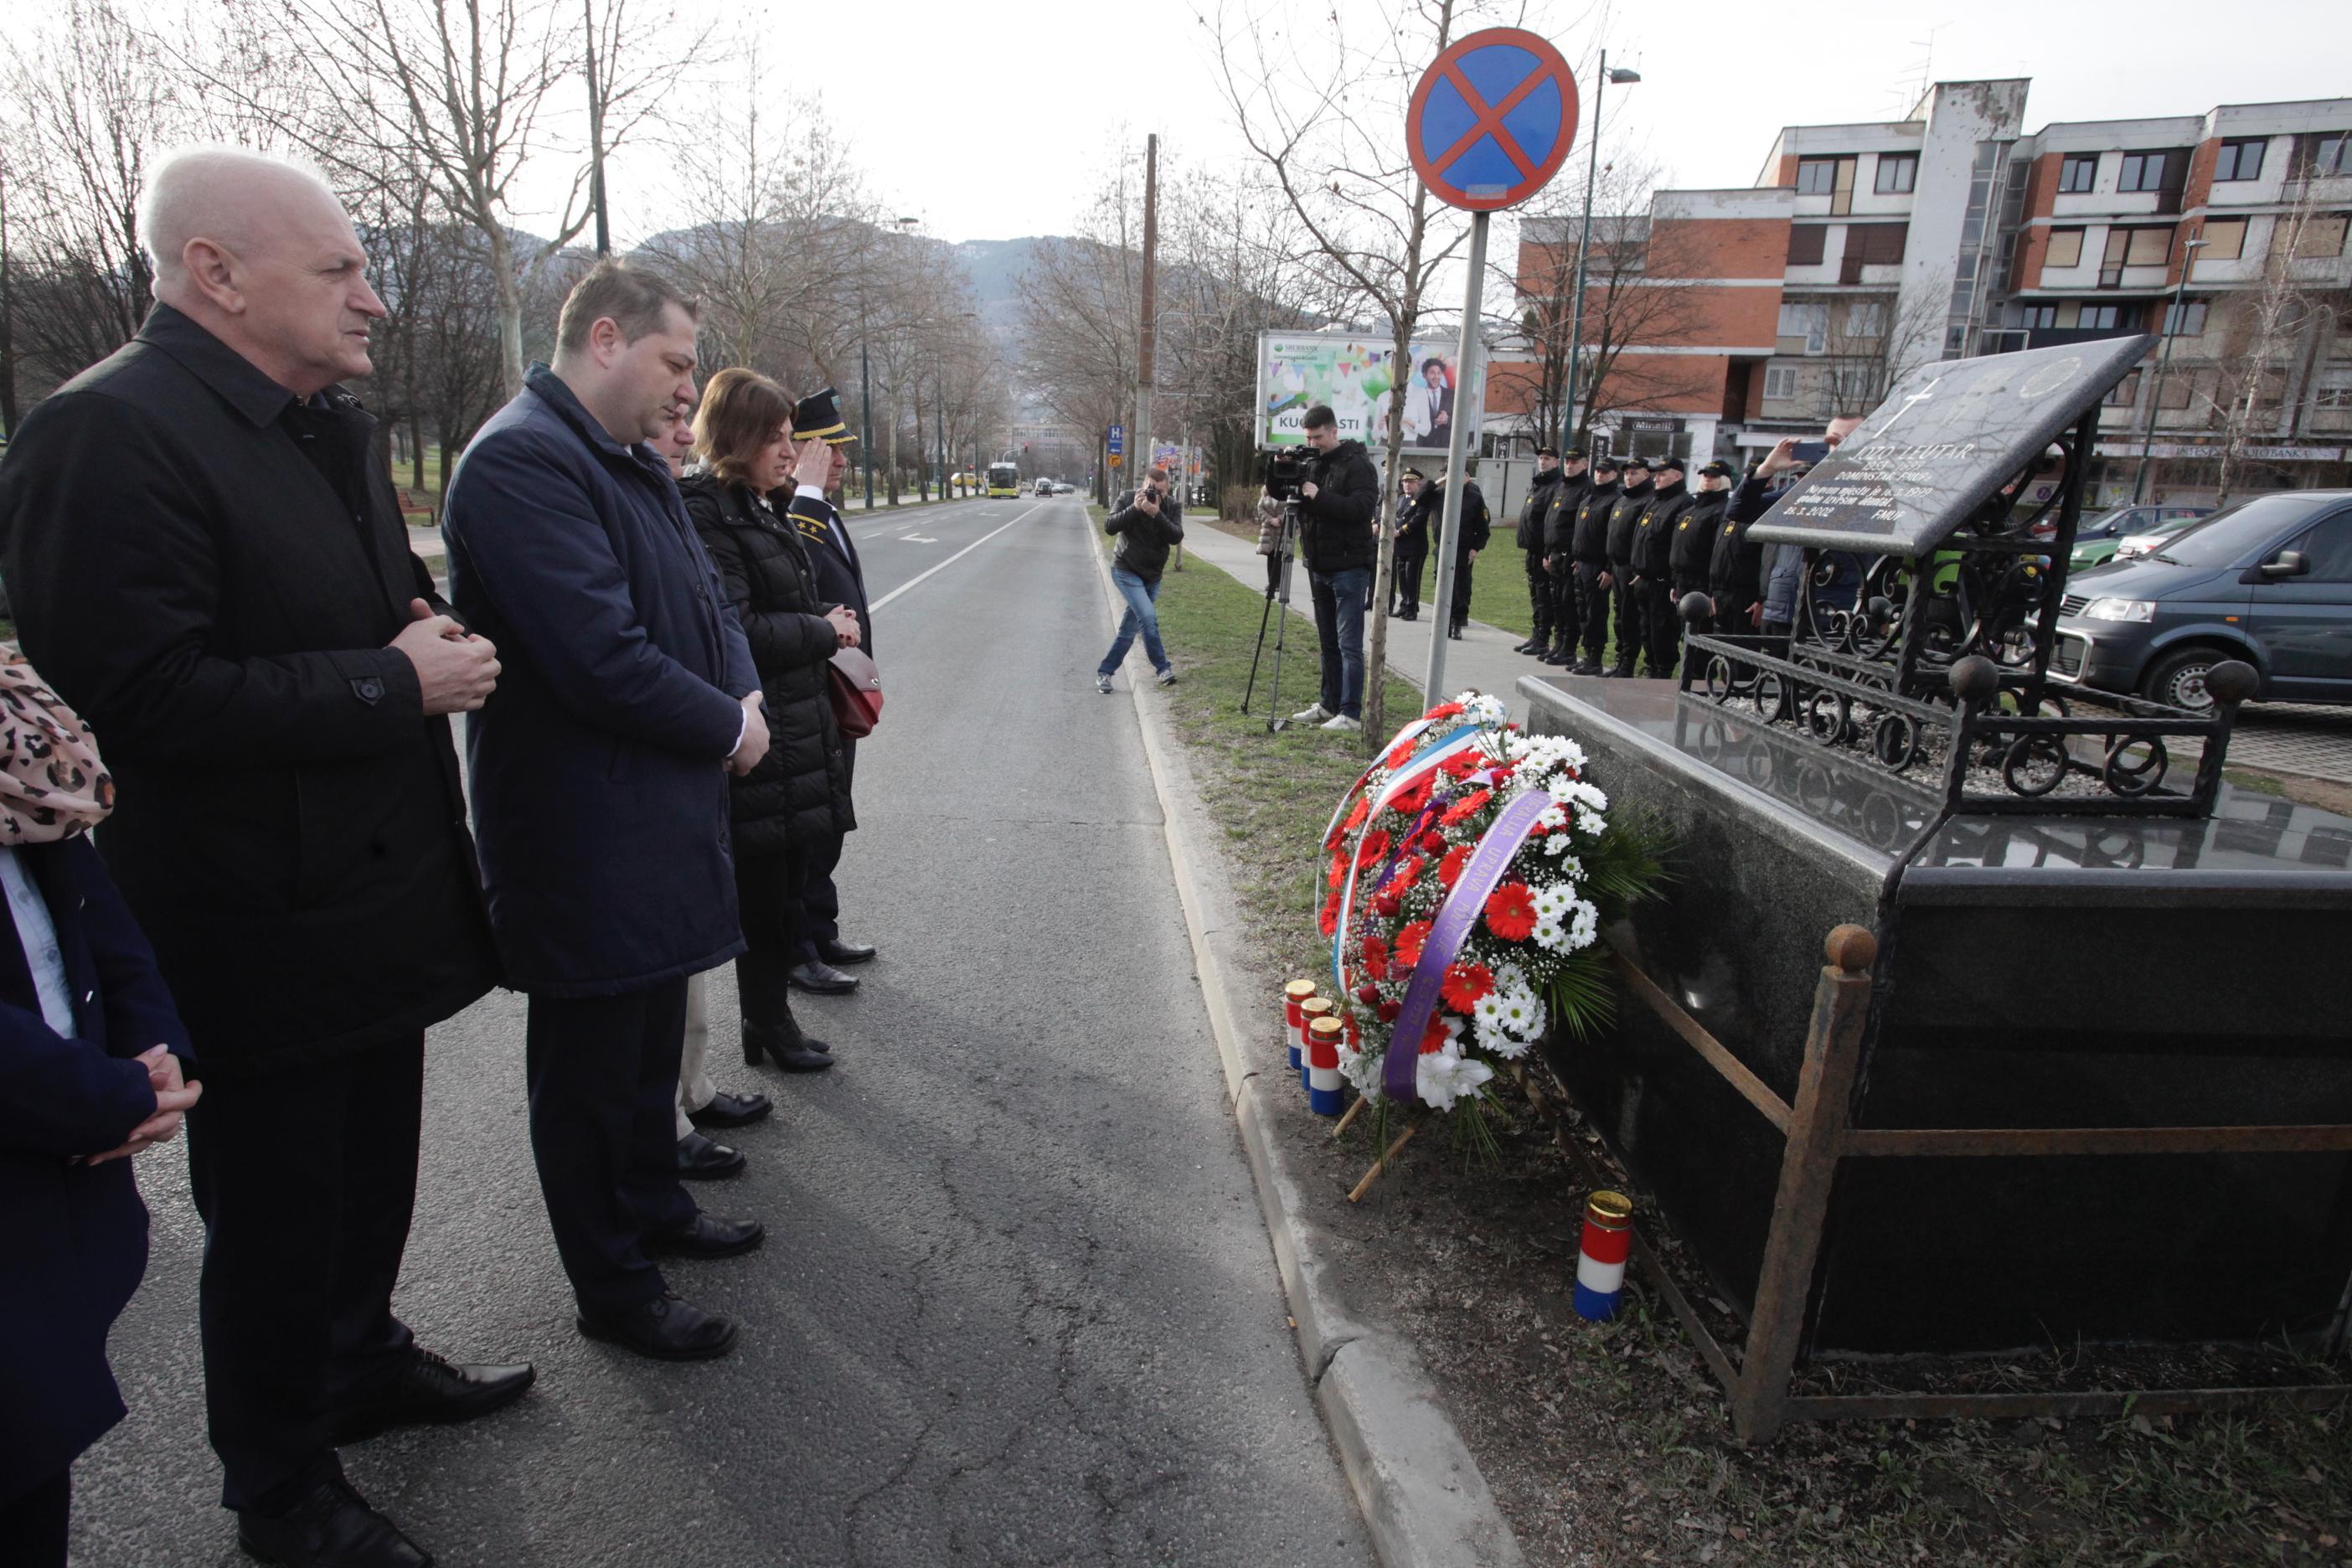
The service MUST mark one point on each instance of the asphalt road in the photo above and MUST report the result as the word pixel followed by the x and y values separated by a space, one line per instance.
pixel 1016 1304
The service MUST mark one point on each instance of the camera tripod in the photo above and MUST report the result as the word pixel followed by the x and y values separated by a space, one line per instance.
pixel 1278 591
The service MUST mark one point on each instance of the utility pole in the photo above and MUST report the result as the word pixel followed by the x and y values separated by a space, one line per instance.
pixel 596 140
pixel 1141 444
pixel 1584 244
pixel 866 410
pixel 2163 363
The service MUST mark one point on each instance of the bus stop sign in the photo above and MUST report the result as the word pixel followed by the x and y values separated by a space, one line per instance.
pixel 1492 119
pixel 1118 442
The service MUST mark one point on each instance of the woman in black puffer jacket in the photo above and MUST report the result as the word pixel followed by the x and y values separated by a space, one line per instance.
pixel 798 797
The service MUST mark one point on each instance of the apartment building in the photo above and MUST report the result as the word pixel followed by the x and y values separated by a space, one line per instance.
pixel 1864 250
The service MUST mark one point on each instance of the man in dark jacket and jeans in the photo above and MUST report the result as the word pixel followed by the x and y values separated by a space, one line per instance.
pixel 1147 524
pixel 600 789
pixel 1338 500
pixel 208 561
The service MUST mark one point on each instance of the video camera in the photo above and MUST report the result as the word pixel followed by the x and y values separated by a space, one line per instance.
pixel 1282 474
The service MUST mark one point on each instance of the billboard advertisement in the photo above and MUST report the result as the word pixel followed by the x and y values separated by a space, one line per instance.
pixel 1357 378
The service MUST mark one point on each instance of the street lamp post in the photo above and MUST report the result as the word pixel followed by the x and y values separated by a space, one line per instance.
pixel 2163 362
pixel 1623 77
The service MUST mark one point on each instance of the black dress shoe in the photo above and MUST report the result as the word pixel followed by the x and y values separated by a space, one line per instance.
pixel 822 978
pixel 707 1237
pixel 727 1110
pixel 700 1160
pixel 785 1046
pixel 1530 645
pixel 428 1389
pixel 663 1329
pixel 1455 634
pixel 837 952
pixel 331 1527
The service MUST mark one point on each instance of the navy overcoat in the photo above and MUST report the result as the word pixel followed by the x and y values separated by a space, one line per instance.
pixel 599 766
pixel 73 1237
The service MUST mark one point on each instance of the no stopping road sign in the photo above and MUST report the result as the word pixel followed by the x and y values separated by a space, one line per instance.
pixel 1492 119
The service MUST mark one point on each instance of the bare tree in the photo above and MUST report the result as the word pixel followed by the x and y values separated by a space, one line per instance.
pixel 1081 300
pixel 463 91
pixel 2267 333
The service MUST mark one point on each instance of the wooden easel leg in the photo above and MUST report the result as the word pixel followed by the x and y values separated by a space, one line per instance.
pixel 1349 1115
pixel 1378 1165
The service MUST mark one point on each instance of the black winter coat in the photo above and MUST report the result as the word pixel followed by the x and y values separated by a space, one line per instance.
pixel 1477 523
pixel 599 766
pixel 291 834
pixel 1560 521
pixel 832 556
pixel 1588 541
pixel 1535 507
pixel 1336 525
pixel 1735 577
pixel 1625 517
pixel 1653 533
pixel 799 794
pixel 1694 548
pixel 74 1236
pixel 1144 539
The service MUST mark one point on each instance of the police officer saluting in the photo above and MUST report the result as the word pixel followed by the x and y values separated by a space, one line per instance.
pixel 1589 561
pixel 1654 538
pixel 1533 511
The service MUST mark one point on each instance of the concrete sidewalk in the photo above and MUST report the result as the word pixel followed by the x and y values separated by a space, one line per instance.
pixel 1482 660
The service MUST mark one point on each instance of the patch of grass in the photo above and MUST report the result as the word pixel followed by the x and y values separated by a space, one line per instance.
pixel 2261 784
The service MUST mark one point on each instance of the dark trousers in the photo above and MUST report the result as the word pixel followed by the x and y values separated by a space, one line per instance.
pixel 1461 593
pixel 768 890
pixel 816 903
pixel 306 1180
pixel 33 1525
pixel 602 1072
pixel 1731 613
pixel 1653 602
pixel 1625 616
pixel 1540 599
pixel 1409 562
pixel 1566 623
pixel 1592 608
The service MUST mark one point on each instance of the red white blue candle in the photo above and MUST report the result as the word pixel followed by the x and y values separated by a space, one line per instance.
pixel 1326 1090
pixel 1601 1261
pixel 1314 1008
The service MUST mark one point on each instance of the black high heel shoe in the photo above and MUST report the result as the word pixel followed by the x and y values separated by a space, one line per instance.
pixel 791 1050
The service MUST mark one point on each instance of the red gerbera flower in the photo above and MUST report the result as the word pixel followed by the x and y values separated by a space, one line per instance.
pixel 1465 985
pixel 1376 958
pixel 1356 817
pixel 1469 806
pixel 1398 756
pixel 1371 846
pixel 1511 912
pixel 1407 872
pixel 1330 920
pixel 1408 943
pixel 1443 710
pixel 1449 870
pixel 1462 764
pixel 1434 1038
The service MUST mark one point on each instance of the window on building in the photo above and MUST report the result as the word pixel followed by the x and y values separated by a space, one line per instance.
pixel 2148 248
pixel 1876 244
pixel 2323 155
pixel 1779 382
pixel 2225 239
pixel 1808 320
pixel 2142 171
pixel 2185 320
pixel 1855 385
pixel 2240 159
pixel 2065 248
pixel 2040 316
pixel 2322 235
pixel 1816 176
pixel 1866 319
pixel 2099 318
pixel 1897 173
pixel 2078 172
pixel 2333 397
pixel 2124 393
pixel 1805 244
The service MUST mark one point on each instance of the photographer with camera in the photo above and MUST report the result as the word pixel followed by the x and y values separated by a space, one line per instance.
pixel 1339 502
pixel 1146 523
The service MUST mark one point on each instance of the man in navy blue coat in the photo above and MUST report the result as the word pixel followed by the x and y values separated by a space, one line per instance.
pixel 840 577
pixel 599 774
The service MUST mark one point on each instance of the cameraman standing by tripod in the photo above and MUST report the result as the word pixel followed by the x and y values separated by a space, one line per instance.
pixel 1338 500
pixel 1147 522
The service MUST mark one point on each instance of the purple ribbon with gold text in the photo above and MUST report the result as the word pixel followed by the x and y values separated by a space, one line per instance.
pixel 1399 1072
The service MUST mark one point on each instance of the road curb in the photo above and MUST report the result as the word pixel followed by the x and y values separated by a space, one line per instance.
pixel 1424 1499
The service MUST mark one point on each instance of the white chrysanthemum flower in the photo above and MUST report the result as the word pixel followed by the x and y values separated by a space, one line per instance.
pixel 1483 710
pixel 1551 818
pixel 1444 1077
pixel 1553 902
pixel 1559 844
pixel 1586 928
pixel 1510 977
pixel 1551 936
pixel 1570 866
pixel 1487 1013
pixel 1590 822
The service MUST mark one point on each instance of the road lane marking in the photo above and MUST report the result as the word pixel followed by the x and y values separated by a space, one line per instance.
pixel 950 560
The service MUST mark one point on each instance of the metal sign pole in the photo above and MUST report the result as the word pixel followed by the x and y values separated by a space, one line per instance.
pixel 1465 386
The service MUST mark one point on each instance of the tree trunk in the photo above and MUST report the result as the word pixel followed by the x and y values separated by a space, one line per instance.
pixel 510 313
pixel 890 412
pixel 417 454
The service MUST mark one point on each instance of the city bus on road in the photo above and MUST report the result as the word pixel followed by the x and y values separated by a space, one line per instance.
pixel 1004 479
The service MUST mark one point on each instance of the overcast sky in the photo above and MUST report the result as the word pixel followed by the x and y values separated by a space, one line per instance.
pixel 995 122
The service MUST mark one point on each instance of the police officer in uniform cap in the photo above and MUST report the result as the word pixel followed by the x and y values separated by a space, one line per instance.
pixel 1654 536
pixel 1532 513
pixel 1588 553
pixel 840 579
pixel 1411 545
pixel 1560 567
pixel 1624 519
